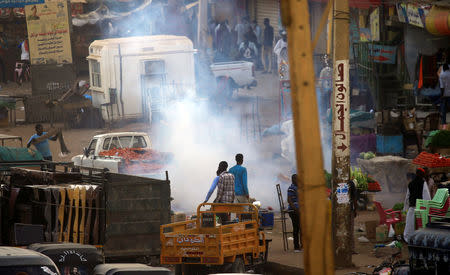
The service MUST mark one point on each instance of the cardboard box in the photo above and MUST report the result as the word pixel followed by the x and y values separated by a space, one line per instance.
pixel 371 229
pixel 381 233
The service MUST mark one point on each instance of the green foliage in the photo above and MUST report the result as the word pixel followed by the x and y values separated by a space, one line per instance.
pixel 360 178
pixel 441 139
pixel 398 206
pixel 367 155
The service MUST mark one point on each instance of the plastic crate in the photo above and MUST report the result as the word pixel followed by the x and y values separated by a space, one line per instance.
pixel 389 144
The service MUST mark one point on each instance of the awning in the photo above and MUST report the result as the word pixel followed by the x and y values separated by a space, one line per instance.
pixel 437 21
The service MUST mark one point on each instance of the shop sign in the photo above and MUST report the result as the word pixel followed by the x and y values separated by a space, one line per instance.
pixel 383 54
pixel 49 33
pixel 341 111
pixel 375 25
pixel 401 12
pixel 18 3
pixel 414 15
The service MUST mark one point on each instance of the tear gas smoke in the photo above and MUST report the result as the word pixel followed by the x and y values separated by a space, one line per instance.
pixel 200 138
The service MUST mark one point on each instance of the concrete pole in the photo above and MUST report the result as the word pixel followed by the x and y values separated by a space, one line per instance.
pixel 315 208
pixel 342 231
pixel 202 23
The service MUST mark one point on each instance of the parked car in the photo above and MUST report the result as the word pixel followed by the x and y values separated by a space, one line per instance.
pixel 97 154
pixel 125 269
pixel 71 257
pixel 14 260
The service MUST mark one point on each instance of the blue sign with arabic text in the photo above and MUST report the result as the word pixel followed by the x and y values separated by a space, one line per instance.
pixel 19 3
pixel 383 54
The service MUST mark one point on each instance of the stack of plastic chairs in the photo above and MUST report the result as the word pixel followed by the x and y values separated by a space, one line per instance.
pixel 438 206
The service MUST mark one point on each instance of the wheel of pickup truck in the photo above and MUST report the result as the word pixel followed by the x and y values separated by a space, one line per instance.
pixel 178 269
pixel 225 87
pixel 188 269
pixel 238 266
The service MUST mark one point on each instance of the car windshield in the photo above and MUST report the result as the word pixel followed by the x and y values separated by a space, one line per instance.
pixel 28 270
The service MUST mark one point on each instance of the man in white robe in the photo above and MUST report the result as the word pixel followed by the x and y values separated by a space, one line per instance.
pixel 417 189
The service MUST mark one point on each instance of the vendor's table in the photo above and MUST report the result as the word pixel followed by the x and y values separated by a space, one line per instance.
pixel 391 173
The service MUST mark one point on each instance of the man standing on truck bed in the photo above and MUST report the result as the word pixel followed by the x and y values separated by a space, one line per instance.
pixel 240 180
pixel 225 185
pixel 43 147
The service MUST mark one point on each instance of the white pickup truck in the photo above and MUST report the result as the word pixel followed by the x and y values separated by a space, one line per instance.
pixel 104 152
pixel 233 75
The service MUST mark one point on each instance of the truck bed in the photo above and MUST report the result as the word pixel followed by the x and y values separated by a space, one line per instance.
pixel 200 242
pixel 127 210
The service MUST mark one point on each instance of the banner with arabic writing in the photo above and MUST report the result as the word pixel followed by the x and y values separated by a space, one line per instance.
pixel 49 33
pixel 383 54
pixel 18 3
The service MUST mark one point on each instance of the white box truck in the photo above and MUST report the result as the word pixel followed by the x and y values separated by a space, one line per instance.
pixel 134 77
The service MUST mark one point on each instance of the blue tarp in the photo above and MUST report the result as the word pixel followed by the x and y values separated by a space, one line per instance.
pixel 18 154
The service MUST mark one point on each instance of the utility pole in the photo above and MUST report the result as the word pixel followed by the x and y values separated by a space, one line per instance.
pixel 315 208
pixel 342 220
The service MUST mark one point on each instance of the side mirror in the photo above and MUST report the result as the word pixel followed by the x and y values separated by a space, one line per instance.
pixel 86 152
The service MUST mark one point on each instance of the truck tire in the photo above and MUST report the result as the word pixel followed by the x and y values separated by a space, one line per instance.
pixel 238 266
pixel 226 87
pixel 178 269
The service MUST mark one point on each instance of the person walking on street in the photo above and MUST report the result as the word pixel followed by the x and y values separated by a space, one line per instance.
pixel 240 180
pixel 241 29
pixel 223 42
pixel 43 147
pixel 258 33
pixel 294 212
pixel 444 82
pixel 267 46
pixel 417 189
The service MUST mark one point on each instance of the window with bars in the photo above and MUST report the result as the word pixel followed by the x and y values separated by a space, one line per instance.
pixel 95 74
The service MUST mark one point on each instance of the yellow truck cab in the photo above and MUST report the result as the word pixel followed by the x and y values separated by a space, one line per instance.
pixel 223 237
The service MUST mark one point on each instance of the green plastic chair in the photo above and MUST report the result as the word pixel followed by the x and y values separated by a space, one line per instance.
pixel 438 201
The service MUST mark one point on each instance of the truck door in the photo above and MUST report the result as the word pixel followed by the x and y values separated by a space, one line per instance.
pixel 153 83
pixel 87 161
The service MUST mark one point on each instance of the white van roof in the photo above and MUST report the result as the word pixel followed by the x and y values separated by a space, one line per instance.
pixel 144 44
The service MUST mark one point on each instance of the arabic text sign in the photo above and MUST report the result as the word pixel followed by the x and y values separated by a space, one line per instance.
pixel 414 15
pixel 18 3
pixel 383 54
pixel 49 33
pixel 341 111
pixel 190 239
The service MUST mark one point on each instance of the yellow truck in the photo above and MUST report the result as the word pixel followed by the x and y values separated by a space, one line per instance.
pixel 223 237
